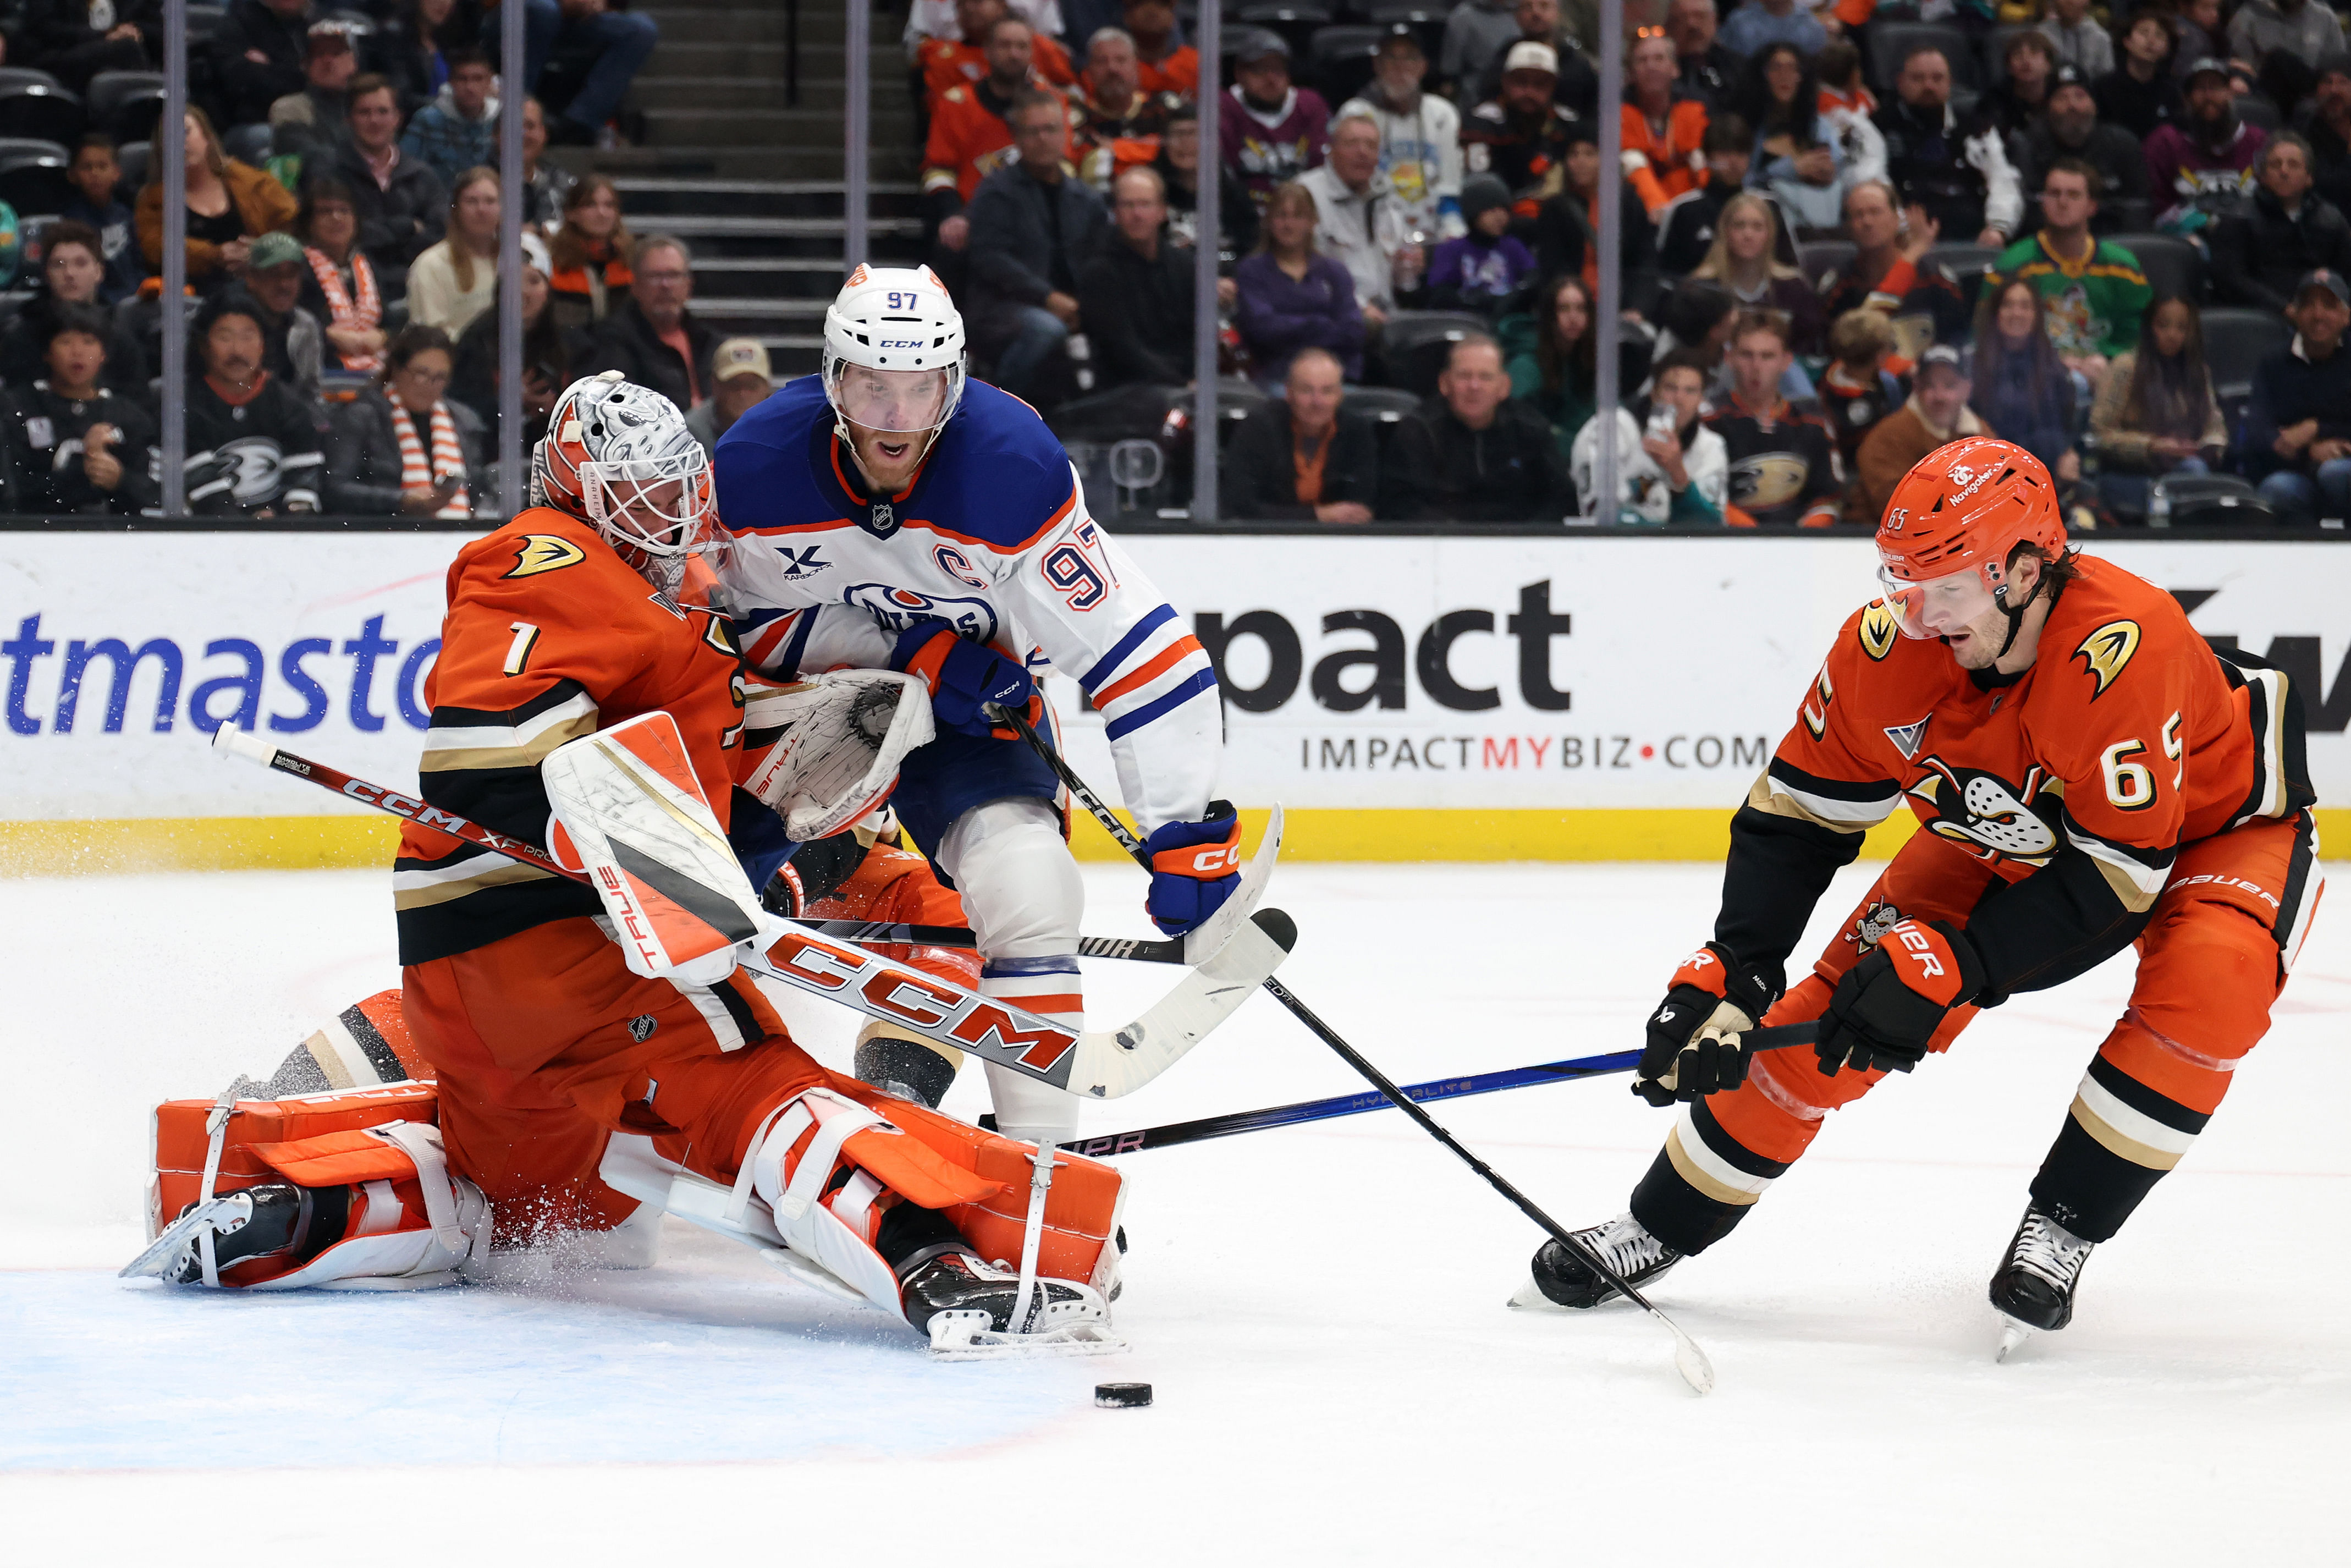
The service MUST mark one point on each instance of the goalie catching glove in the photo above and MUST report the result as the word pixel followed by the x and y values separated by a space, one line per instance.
pixel 822 753
pixel 1693 1047
pixel 1884 1013
pixel 965 679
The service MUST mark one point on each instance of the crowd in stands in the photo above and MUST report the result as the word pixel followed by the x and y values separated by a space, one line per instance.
pixel 1851 230
pixel 343 217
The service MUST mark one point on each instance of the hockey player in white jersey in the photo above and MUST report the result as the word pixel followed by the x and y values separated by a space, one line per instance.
pixel 888 513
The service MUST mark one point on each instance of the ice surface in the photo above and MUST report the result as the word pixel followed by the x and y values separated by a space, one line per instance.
pixel 1319 1308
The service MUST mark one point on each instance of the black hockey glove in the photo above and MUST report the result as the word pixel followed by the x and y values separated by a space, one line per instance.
pixel 1693 1047
pixel 1889 1004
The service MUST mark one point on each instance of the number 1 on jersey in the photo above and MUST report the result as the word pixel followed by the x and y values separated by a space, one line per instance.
pixel 518 654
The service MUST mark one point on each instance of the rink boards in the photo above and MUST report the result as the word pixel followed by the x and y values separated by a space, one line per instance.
pixel 1586 697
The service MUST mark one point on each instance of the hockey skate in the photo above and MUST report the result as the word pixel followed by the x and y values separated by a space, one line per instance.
pixel 1561 1283
pixel 254 1222
pixel 2034 1287
pixel 969 1308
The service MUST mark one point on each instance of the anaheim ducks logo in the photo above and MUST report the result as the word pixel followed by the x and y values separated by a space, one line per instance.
pixel 1988 816
pixel 1773 480
pixel 1876 920
pixel 544 552
pixel 2107 650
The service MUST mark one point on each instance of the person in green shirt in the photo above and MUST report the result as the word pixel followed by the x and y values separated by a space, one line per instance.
pixel 1549 356
pixel 2095 290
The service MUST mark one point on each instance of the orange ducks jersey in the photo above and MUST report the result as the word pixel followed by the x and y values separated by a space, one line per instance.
pixel 548 636
pixel 2127 738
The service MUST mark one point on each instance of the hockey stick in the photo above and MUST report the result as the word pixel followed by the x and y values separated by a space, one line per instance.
pixel 1688 1359
pixel 1135 949
pixel 1096 1064
pixel 1174 1133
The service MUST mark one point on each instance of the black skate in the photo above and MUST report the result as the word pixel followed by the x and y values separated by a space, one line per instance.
pixel 2034 1287
pixel 1562 1281
pixel 967 1307
pixel 252 1222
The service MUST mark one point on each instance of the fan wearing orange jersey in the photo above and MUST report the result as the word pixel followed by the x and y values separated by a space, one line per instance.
pixel 971 135
pixel 2088 774
pixel 963 62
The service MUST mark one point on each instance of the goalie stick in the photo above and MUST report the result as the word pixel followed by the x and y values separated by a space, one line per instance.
pixel 1100 1064
pixel 1134 949
pixel 1688 1359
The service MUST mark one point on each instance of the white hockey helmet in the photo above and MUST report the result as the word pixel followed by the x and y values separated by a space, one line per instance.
pixel 899 326
pixel 620 457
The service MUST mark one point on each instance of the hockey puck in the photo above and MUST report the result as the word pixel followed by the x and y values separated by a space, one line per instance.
pixel 1122 1396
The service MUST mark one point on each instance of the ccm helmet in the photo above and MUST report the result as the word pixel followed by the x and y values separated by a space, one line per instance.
pixel 899 325
pixel 1952 523
pixel 611 454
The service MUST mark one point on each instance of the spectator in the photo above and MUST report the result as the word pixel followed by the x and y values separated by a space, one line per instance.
pixel 400 203
pixel 294 344
pixel 653 338
pixel 74 275
pixel 1567 226
pixel 2022 389
pixel 744 381
pixel 1031 228
pixel 96 173
pixel 75 445
pixel 2017 103
pixel 1548 354
pixel 2201 169
pixel 550 351
pixel 1783 461
pixel 1358 222
pixel 2325 121
pixel 1134 294
pixel 1521 137
pixel 1303 456
pixel 1842 89
pixel 1420 136
pixel 971 131
pixel 1270 133
pixel 1797 156
pixel 257 54
pixel 404 448
pixel 1179 167
pixel 2140 94
pixel 2157 414
pixel 307 124
pixel 593 253
pixel 73 40
pixel 1890 274
pixel 229 203
pixel 937 19
pixel 1163 63
pixel 342 292
pixel 2092 289
pixel 1857 391
pixel 461 133
pixel 1576 87
pixel 1292 298
pixel 1119 127
pixel 1760 21
pixel 1698 315
pixel 1663 131
pixel 1708 70
pixel 2080 40
pixel 963 60
pixel 1476 33
pixel 2198 26
pixel 1740 260
pixel 1936 413
pixel 2298 422
pixel 453 283
pixel 253 448
pixel 545 182
pixel 1670 468
pixel 1483 270
pixel 406 49
pixel 599 51
pixel 1474 453
pixel 1685 229
pixel 2296 27
pixel 1954 169
pixel 2070 130
pixel 2260 256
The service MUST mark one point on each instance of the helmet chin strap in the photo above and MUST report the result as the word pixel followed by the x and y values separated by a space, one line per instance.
pixel 2016 614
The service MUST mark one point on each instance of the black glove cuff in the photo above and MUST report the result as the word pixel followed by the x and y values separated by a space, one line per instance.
pixel 1975 980
pixel 1749 987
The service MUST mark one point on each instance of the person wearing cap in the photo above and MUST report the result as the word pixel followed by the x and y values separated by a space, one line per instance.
pixel 1708 70
pixel 1954 169
pixel 744 381
pixel 2298 421
pixel 1134 292
pixel 1476 33
pixel 1575 84
pixel 2260 256
pixel 2139 94
pixel 2020 97
pixel 1269 132
pixel 305 124
pixel 1420 136
pixel 2079 39
pixel 294 344
pixel 2093 289
pixel 2297 29
pixel 1117 125
pixel 2201 169
pixel 1936 412
pixel 1760 22
pixel 1663 131
pixel 1521 137
pixel 1484 269
pixel 2325 121
pixel 1358 222
pixel 2072 129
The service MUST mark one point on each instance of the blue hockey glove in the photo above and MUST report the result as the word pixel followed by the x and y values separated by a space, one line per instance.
pixel 1194 866
pixel 965 678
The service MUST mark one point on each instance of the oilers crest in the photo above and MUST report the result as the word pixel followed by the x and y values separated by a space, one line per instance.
pixel 973 619
pixel 1988 816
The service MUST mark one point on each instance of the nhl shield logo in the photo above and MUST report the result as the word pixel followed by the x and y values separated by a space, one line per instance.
pixel 883 521
pixel 642 1027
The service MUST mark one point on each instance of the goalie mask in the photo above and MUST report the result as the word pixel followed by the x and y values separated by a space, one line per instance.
pixel 893 353
pixel 620 456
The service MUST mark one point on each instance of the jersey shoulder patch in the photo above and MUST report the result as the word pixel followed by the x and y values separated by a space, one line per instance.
pixel 2106 651
pixel 1876 631
pixel 535 553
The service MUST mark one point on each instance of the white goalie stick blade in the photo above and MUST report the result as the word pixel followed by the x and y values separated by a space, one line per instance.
pixel 1080 1327
pixel 1098 1065
pixel 1206 938
pixel 172 1244
pixel 825 751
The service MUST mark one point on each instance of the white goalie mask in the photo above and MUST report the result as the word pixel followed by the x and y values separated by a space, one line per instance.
pixel 894 352
pixel 620 456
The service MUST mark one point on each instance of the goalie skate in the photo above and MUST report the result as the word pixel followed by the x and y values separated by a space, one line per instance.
pixel 967 1308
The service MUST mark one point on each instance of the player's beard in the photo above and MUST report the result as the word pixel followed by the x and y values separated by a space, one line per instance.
pixel 888 458
pixel 1978 645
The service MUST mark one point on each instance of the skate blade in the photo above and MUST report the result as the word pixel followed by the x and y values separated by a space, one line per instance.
pixel 165 1252
pixel 1069 1327
pixel 1529 1298
pixel 2013 1335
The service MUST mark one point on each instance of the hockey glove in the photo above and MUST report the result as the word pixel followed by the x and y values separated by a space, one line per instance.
pixel 1888 1006
pixel 1693 1047
pixel 1194 866
pixel 966 678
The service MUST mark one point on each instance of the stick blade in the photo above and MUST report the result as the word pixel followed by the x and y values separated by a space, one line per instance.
pixel 1691 1362
pixel 1206 939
